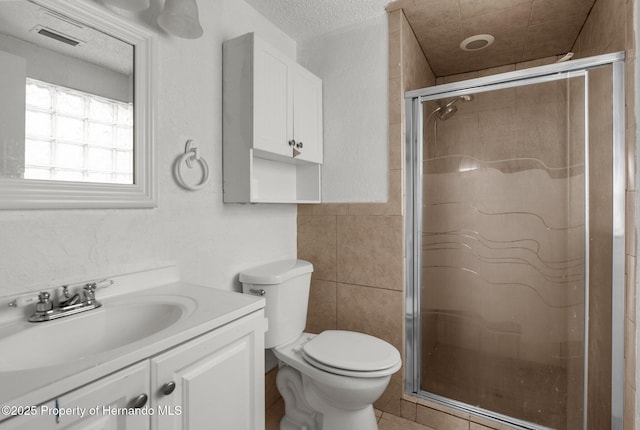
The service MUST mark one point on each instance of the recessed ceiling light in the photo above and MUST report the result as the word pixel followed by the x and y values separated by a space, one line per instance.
pixel 477 42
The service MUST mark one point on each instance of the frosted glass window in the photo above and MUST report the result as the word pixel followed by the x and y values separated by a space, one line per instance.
pixel 100 134
pixel 38 152
pixel 77 136
pixel 70 103
pixel 69 156
pixel 38 96
pixel 124 160
pixel 101 111
pixel 100 159
pixel 69 128
pixel 38 123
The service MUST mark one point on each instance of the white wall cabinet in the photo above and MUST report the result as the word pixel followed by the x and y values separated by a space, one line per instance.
pixel 272 125
pixel 219 383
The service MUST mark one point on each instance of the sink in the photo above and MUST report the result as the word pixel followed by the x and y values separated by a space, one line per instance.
pixel 73 338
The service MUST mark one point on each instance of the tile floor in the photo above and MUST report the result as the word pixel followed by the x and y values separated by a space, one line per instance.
pixel 386 421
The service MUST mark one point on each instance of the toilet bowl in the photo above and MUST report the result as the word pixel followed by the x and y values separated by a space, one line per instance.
pixel 328 381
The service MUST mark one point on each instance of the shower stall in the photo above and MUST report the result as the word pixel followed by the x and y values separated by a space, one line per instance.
pixel 515 245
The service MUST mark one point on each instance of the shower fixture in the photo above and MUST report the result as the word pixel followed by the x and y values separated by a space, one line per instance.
pixel 450 108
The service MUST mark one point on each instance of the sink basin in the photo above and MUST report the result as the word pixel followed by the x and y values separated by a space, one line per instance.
pixel 91 333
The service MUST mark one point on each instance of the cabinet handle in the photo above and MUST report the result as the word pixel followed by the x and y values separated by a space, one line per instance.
pixel 139 401
pixel 168 388
pixel 299 145
pixel 292 142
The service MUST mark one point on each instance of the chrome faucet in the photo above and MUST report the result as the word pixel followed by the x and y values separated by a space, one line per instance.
pixel 83 300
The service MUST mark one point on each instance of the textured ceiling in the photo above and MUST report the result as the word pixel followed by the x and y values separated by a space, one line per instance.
pixel 523 30
pixel 304 19
pixel 19 19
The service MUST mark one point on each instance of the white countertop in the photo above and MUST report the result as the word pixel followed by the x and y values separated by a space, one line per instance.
pixel 211 308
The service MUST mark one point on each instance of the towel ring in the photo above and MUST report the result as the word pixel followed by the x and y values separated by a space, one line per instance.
pixel 191 152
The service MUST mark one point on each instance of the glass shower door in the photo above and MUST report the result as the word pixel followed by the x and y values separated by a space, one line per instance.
pixel 503 250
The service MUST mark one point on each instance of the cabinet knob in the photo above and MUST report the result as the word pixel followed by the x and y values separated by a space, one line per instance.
pixel 168 388
pixel 139 401
pixel 299 145
pixel 292 142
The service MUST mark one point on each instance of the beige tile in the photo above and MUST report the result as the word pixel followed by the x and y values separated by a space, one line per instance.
pixel 396 145
pixel 535 63
pixel 305 209
pixel 395 101
pixel 630 287
pixel 439 420
pixel 322 311
pixel 551 10
pixel 378 413
pixel 373 311
pixel 474 426
pixel 631 157
pixel 497 70
pixel 499 22
pixel 271 393
pixel 394 20
pixel 444 409
pixel 273 415
pixel 317 244
pixel 629 408
pixel 630 212
pixel 392 422
pixel 390 400
pixel 331 209
pixel 630 353
pixel 395 49
pixel 408 410
pixel 470 8
pixel 550 37
pixel 370 251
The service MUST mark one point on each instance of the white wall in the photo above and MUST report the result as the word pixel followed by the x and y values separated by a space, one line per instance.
pixel 12 114
pixel 210 241
pixel 353 65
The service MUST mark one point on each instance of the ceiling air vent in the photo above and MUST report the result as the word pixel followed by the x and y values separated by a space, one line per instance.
pixel 57 36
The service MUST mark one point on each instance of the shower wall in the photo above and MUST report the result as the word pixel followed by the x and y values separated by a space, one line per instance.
pixel 610 28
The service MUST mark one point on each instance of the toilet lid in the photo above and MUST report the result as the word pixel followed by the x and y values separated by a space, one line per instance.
pixel 351 351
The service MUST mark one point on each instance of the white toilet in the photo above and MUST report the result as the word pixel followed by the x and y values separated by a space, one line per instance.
pixel 328 381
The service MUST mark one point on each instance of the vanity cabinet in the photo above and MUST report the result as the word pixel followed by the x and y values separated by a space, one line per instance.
pixel 94 406
pixel 213 381
pixel 272 125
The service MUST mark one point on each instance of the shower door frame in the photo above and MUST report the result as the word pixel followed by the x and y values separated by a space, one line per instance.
pixel 413 221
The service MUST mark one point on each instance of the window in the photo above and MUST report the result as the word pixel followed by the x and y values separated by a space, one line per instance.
pixel 77 136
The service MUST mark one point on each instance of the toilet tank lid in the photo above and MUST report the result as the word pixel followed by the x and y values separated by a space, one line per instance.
pixel 276 272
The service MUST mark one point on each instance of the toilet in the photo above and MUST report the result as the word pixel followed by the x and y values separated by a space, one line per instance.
pixel 328 381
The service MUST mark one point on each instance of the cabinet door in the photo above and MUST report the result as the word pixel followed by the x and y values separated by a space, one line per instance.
pixel 97 406
pixel 307 114
pixel 271 97
pixel 218 377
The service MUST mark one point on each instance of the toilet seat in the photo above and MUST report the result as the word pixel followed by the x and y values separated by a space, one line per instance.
pixel 352 354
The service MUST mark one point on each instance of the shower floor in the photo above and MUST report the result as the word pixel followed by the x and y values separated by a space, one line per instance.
pixel 527 391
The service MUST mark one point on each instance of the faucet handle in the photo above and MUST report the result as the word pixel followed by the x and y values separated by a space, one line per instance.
pixel 44 304
pixel 90 292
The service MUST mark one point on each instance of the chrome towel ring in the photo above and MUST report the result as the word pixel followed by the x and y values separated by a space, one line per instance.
pixel 191 153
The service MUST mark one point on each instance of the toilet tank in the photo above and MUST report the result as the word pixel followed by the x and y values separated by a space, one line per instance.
pixel 286 290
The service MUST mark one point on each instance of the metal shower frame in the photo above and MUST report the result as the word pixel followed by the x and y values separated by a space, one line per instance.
pixel 413 221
